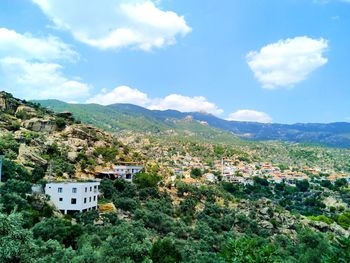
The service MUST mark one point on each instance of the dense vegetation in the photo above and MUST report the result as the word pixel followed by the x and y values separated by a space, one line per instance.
pixel 197 228
pixel 127 116
pixel 156 221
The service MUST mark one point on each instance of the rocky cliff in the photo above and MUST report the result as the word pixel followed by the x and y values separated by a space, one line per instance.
pixel 55 141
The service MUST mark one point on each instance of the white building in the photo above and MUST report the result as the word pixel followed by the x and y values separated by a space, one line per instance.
pixel 210 177
pixel 127 172
pixel 73 196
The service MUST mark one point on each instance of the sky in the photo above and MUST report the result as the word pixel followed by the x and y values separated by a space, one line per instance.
pixel 248 60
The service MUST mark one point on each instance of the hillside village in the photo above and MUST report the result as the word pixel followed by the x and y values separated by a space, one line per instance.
pixel 179 160
pixel 96 152
pixel 77 185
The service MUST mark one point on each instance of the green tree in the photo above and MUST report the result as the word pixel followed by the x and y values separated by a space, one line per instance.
pixel 16 243
pixel 196 172
pixel 145 180
pixel 302 185
pixel 165 251
pixel 248 250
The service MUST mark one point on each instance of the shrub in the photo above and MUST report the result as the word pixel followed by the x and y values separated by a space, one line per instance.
pixel 165 251
pixel 322 218
pixel 344 220
pixel 145 180
pixel 196 172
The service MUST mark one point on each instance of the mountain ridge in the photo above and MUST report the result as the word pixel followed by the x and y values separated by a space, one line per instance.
pixel 132 117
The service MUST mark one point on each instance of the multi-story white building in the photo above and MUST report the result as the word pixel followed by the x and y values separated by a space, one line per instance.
pixel 71 197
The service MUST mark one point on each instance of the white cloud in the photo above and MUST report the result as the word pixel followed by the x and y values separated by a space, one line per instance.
pixel 116 23
pixel 29 70
pixel 26 46
pixel 37 80
pixel 287 62
pixel 121 94
pixel 185 104
pixel 124 94
pixel 250 116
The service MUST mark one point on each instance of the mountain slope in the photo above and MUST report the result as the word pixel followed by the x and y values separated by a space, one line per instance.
pixel 132 117
pixel 119 117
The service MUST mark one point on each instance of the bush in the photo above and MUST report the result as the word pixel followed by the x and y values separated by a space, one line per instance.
pixel 12 170
pixel 9 146
pixel 196 172
pixel 322 218
pixel 145 180
pixel 344 220
pixel 165 251
pixel 303 185
pixel 249 250
pixel 108 154
pixel 126 204
pixel 57 229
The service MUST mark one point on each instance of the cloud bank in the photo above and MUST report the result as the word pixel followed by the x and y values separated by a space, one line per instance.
pixel 124 94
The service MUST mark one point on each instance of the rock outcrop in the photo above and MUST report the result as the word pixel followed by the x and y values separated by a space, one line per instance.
pixel 277 220
pixel 25 112
pixel 7 103
pixel 47 125
pixel 29 156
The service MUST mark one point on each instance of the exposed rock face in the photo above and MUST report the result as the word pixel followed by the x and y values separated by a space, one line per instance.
pixel 72 156
pixel 7 103
pixel 41 132
pixel 28 156
pixel 279 221
pixel 40 125
pixel 323 227
pixel 25 111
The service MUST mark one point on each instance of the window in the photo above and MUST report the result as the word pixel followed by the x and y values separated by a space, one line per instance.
pixel 60 199
pixel 73 201
pixel 90 188
pixel 90 199
pixel 85 189
pixel 74 190
pixel 85 200
pixel 60 190
pixel 94 198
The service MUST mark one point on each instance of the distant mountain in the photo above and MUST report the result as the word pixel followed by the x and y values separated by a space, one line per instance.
pixel 132 117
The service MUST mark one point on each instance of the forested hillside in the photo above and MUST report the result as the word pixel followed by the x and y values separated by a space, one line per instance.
pixel 157 220
pixel 131 117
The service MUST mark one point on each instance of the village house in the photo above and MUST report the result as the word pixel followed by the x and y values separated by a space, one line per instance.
pixel 126 171
pixel 70 197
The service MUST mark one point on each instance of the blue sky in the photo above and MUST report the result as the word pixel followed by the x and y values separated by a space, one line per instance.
pixel 268 61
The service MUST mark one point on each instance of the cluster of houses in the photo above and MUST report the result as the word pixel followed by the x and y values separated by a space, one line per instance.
pixel 71 197
pixel 241 172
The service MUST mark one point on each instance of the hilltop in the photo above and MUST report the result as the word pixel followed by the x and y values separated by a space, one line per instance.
pixel 131 117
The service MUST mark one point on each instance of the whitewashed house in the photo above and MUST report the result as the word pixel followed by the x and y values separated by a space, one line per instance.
pixel 211 178
pixel 127 172
pixel 71 197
